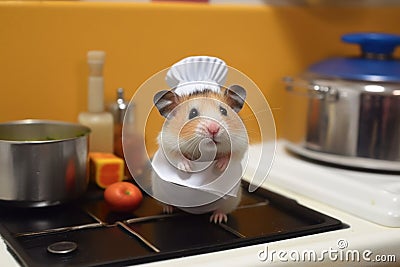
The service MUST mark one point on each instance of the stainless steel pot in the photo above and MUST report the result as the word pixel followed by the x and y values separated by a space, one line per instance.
pixel 352 114
pixel 42 162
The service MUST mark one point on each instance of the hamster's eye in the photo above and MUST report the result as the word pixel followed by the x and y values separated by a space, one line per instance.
pixel 193 113
pixel 223 111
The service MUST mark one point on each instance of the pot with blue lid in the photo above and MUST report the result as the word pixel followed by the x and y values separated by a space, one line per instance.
pixel 352 115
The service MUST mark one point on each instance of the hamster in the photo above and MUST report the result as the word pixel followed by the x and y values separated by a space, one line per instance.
pixel 199 122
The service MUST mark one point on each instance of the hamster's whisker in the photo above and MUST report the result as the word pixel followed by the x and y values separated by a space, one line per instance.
pixel 239 138
pixel 191 141
pixel 185 138
pixel 192 147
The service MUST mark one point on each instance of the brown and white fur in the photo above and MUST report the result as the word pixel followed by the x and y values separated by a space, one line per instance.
pixel 205 115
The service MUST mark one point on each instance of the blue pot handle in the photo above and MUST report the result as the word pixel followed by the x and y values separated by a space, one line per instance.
pixel 374 43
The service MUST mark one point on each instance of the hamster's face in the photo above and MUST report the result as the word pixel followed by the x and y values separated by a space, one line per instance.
pixel 205 120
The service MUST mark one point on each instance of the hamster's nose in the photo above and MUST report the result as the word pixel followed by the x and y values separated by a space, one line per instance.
pixel 213 128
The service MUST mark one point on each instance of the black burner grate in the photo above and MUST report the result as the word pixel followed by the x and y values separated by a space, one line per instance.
pixel 107 238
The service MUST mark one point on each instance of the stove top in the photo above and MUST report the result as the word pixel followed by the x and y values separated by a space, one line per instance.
pixel 87 233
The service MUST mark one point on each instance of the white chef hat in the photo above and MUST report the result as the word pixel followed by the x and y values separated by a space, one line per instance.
pixel 196 74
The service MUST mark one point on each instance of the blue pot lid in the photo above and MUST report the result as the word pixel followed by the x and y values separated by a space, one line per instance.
pixel 376 63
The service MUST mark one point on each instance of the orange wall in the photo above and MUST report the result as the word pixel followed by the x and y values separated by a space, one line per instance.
pixel 43 47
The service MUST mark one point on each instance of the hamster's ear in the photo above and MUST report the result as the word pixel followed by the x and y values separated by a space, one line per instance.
pixel 235 97
pixel 165 101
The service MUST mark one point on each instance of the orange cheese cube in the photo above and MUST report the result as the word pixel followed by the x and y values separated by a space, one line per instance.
pixel 105 168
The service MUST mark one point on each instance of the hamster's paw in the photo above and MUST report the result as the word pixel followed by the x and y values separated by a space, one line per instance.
pixel 218 217
pixel 184 165
pixel 168 209
pixel 222 163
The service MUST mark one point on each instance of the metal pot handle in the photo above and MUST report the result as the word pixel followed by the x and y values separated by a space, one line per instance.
pixel 313 90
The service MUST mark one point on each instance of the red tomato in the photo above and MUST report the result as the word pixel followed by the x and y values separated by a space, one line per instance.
pixel 123 196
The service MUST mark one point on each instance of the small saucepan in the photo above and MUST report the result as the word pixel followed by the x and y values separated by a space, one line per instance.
pixel 42 162
pixel 351 112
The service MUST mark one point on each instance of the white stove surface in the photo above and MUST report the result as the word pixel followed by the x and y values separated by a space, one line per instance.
pixel 374 243
pixel 369 195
